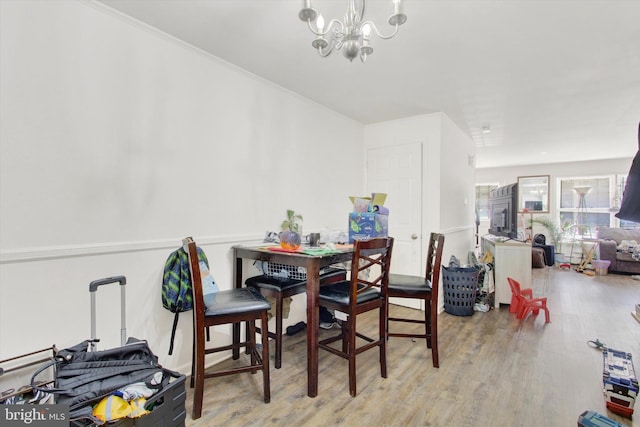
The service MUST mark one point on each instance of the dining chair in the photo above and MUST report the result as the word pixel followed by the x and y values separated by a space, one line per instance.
pixel 224 307
pixel 279 289
pixel 364 291
pixel 424 288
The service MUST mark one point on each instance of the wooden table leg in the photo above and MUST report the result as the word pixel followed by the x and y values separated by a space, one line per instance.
pixel 313 319
pixel 237 276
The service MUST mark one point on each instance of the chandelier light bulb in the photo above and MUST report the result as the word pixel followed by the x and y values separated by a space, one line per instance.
pixel 320 23
pixel 366 32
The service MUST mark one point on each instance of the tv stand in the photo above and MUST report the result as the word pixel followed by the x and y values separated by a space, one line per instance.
pixel 511 258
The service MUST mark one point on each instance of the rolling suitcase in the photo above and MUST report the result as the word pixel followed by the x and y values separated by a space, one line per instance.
pixel 167 406
pixel 84 376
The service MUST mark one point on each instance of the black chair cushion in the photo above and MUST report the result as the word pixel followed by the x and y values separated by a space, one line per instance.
pixel 234 301
pixel 339 292
pixel 408 284
pixel 280 285
pixel 272 283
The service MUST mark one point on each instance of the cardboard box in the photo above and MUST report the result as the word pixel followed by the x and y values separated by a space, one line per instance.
pixel 366 225
pixel 369 218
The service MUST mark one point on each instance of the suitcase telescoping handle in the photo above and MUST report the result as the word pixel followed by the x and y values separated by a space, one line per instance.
pixel 93 287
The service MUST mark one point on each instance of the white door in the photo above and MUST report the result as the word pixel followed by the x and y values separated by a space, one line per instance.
pixel 397 171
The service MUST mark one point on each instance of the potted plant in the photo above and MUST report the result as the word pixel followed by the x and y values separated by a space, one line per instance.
pixel 556 234
pixel 290 237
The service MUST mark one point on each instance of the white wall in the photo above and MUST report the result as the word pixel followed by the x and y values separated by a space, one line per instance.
pixel 448 178
pixel 425 130
pixel 117 141
pixel 457 178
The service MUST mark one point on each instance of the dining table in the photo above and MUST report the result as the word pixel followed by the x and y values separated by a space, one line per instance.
pixel 313 260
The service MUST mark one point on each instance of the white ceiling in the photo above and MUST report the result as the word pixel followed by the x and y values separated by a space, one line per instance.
pixel 555 80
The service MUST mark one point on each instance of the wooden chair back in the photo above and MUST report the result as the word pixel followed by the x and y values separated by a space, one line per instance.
pixel 370 266
pixel 189 245
pixel 434 263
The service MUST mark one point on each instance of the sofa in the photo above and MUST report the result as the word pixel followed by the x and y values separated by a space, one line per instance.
pixel 614 247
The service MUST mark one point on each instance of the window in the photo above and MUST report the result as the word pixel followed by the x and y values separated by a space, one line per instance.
pixel 589 202
pixel 533 193
pixel 482 200
pixel 585 203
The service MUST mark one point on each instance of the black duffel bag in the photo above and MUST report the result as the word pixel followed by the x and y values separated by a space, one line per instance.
pixel 540 239
pixel 83 378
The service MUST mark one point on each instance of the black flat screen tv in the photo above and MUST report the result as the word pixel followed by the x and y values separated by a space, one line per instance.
pixel 503 208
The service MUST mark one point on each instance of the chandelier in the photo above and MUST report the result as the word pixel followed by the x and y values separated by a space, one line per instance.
pixel 353 35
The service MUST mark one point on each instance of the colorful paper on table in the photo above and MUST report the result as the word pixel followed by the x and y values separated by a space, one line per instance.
pixel 324 250
pixel 319 251
pixel 281 249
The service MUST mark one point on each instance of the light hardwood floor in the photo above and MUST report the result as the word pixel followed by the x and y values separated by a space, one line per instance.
pixel 494 369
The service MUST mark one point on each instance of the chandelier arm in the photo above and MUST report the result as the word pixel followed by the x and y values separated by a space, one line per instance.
pixel 374 28
pixel 338 37
pixel 328 51
pixel 324 55
pixel 329 27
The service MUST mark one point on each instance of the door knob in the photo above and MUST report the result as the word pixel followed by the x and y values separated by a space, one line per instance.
pixel 414 236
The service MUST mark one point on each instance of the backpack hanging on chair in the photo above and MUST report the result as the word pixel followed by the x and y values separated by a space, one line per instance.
pixel 177 291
